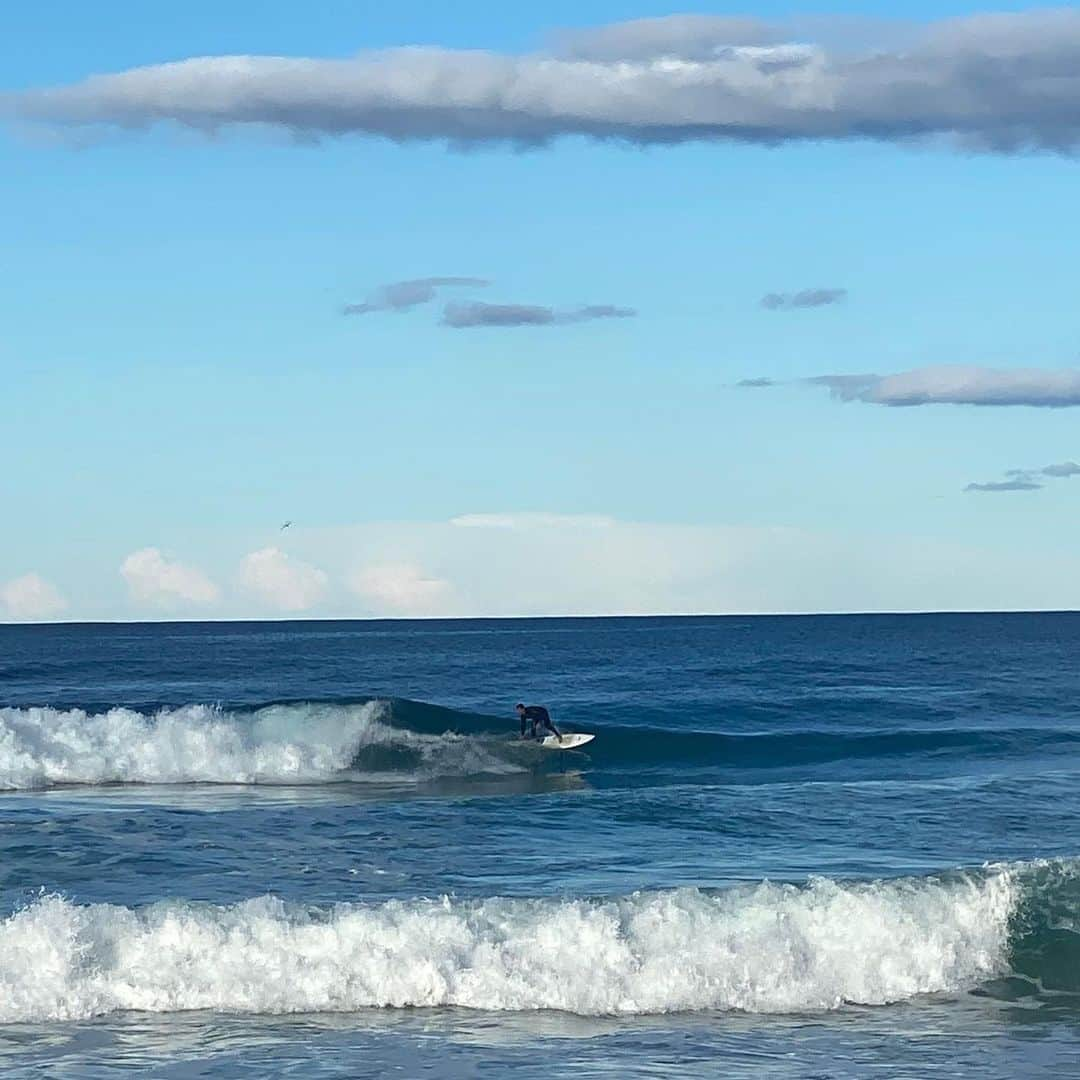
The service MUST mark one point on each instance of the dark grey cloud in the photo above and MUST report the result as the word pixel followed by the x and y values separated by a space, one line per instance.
pixel 808 298
pixel 755 383
pixel 404 295
pixel 480 314
pixel 959 385
pixel 1005 485
pixel 477 313
pixel 1064 469
pixel 1029 479
pixel 1005 83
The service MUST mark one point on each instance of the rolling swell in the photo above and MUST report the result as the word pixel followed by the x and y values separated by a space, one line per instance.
pixel 634 745
pixel 641 746
pixel 761 949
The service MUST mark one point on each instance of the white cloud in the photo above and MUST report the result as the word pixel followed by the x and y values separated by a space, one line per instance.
pixel 504 569
pixel 549 564
pixel 532 521
pixel 154 579
pixel 282 582
pixel 31 597
pixel 1000 82
pixel 400 589
pixel 513 564
pixel 955 384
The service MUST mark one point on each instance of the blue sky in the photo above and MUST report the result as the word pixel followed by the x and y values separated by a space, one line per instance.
pixel 179 376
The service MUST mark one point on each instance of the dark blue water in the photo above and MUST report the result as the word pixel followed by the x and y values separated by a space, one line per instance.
pixel 797 847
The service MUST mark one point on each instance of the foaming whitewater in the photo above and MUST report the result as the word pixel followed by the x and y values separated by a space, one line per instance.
pixel 279 744
pixel 763 949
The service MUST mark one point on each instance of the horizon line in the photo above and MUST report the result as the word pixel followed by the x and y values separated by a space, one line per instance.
pixel 540 618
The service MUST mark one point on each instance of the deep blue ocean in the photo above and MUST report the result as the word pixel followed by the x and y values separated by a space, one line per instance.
pixel 798 847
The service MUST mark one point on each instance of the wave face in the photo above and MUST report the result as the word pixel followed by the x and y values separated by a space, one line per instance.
pixel 761 949
pixel 794 748
pixel 279 744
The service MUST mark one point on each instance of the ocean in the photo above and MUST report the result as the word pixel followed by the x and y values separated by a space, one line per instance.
pixel 836 846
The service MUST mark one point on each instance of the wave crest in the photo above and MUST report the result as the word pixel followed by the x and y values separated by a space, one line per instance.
pixel 765 948
pixel 278 744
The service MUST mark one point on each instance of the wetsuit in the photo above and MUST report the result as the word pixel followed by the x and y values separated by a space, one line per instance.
pixel 537 716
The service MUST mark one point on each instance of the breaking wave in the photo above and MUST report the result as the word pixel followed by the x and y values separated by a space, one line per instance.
pixel 766 948
pixel 402 741
pixel 279 744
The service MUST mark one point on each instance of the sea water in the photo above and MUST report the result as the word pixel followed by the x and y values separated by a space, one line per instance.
pixel 822 846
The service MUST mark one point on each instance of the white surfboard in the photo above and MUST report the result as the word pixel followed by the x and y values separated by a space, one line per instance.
pixel 570 741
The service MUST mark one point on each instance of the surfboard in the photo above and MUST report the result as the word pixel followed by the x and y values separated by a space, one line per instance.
pixel 570 741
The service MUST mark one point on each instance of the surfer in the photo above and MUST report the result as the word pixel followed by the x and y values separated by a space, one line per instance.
pixel 537 717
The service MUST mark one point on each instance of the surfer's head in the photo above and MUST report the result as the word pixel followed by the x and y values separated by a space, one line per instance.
pixel 519 707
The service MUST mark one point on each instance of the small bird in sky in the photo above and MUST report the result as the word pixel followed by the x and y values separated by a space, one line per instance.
pixel 285 526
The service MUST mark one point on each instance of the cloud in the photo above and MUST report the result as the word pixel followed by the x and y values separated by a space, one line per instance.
pixel 1004 83
pixel 405 295
pixel 481 314
pixel 1064 469
pixel 281 582
pixel 598 311
pixel 505 563
pixel 959 385
pixel 153 579
pixel 400 589
pixel 31 597
pixel 1016 484
pixel 1028 479
pixel 513 563
pixel 808 298
pixel 528 521
pixel 477 313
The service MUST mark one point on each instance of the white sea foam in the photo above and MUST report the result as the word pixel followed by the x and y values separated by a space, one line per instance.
pixel 280 744
pixel 767 948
